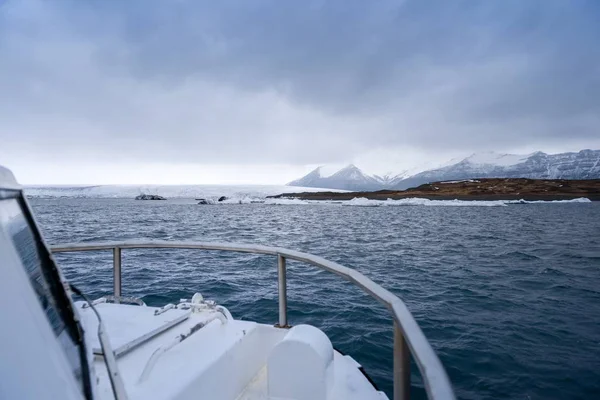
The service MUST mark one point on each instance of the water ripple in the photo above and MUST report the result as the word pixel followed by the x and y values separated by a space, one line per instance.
pixel 508 296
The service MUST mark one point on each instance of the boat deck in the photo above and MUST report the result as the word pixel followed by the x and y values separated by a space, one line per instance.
pixel 350 383
pixel 219 358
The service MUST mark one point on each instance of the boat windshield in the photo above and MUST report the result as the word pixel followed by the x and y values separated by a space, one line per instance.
pixel 17 223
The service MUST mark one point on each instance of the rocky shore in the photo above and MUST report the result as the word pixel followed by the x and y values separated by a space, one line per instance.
pixel 475 189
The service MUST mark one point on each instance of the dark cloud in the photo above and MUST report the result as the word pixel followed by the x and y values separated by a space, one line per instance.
pixel 296 82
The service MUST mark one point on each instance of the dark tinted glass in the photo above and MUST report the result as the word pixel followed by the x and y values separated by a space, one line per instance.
pixel 13 222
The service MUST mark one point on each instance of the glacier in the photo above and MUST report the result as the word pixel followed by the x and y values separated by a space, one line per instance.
pixel 234 193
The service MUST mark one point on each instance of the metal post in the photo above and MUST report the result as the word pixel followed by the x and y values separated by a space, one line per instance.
pixel 406 330
pixel 117 272
pixel 282 286
pixel 401 366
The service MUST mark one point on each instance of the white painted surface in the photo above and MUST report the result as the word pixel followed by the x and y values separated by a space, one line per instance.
pixel 222 361
pixel 300 367
pixel 129 323
pixel 348 383
pixel 7 179
pixel 33 364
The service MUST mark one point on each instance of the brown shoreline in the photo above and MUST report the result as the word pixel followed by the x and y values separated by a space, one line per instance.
pixel 475 189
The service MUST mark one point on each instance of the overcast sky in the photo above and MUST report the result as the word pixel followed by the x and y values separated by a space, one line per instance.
pixel 262 91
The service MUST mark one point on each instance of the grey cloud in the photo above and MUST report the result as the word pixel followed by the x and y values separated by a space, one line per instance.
pixel 296 82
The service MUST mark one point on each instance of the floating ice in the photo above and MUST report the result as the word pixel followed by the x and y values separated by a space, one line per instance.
pixel 363 202
pixel 251 194
pixel 578 200
pixel 283 202
pixel 241 200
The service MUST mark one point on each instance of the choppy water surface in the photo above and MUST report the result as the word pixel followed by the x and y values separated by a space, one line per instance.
pixel 508 296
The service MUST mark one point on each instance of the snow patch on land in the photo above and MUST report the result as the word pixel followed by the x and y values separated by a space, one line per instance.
pixel 464 180
pixel 492 158
pixel 325 171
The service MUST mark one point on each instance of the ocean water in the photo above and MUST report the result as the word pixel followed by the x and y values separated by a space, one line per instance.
pixel 508 296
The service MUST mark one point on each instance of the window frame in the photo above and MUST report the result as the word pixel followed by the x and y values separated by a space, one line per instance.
pixel 58 288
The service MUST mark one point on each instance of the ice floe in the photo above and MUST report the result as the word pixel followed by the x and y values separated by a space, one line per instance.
pixel 363 202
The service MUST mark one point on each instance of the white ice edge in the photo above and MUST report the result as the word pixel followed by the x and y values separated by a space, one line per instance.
pixel 242 193
pixel 364 202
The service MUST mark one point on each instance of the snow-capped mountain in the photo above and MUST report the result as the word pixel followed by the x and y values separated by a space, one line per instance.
pixel 582 165
pixel 347 178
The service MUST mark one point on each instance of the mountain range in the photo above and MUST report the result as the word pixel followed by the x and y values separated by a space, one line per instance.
pixel 584 164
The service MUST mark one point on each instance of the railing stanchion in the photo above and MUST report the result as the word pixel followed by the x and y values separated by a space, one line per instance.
pixel 117 272
pixel 282 289
pixel 406 330
pixel 401 365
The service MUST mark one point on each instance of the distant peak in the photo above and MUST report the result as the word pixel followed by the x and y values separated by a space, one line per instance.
pixel 535 165
pixel 537 153
pixel 493 158
pixel 485 154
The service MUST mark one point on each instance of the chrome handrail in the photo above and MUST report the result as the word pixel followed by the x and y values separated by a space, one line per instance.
pixel 408 337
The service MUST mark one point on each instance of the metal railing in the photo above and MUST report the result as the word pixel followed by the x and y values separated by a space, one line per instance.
pixel 408 337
